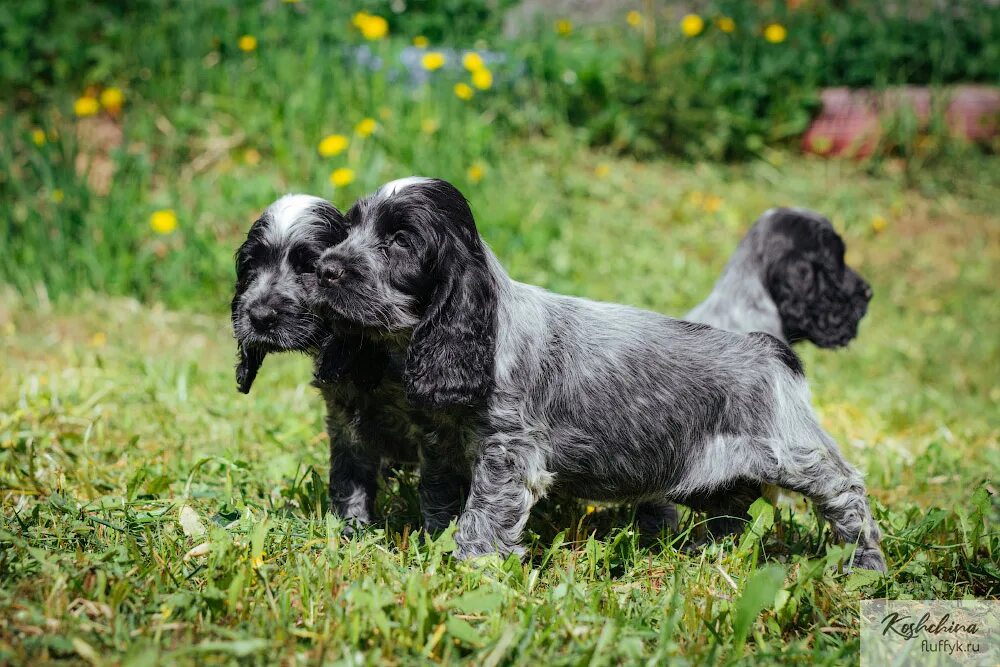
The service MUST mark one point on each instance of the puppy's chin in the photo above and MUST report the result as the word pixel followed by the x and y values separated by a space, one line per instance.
pixel 294 337
pixel 360 313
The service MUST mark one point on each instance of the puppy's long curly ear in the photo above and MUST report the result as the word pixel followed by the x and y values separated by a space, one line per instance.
pixel 817 297
pixel 450 359
pixel 247 367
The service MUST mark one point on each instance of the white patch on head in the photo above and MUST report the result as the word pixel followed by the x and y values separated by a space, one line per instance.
pixel 393 187
pixel 289 214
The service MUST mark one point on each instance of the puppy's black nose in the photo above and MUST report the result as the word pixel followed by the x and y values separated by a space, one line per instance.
pixel 263 317
pixel 329 272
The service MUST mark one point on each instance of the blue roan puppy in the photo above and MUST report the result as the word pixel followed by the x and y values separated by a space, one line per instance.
pixel 368 417
pixel 564 394
pixel 787 278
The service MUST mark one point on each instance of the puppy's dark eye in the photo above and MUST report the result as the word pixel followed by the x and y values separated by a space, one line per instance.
pixel 401 240
pixel 303 260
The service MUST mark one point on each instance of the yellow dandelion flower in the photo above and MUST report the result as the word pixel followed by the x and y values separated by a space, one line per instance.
pixel 163 221
pixel 358 19
pixel 476 172
pixel 112 99
pixel 775 33
pixel 99 339
pixel 257 561
pixel 602 170
pixel 58 195
pixel 633 18
pixel 38 137
pixel 251 156
pixel 430 125
pixel 692 25
pixel 564 27
pixel 472 61
pixel 374 27
pixel 879 224
pixel 433 60
pixel 463 91
pixel 247 43
pixel 482 78
pixel 591 509
pixel 342 176
pixel 421 42
pixel 333 144
pixel 712 203
pixel 365 127
pixel 726 24
pixel 85 106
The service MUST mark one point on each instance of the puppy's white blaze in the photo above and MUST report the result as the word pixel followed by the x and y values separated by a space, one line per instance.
pixel 394 187
pixel 288 214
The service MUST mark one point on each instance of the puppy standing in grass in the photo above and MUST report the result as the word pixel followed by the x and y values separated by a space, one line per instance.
pixel 368 418
pixel 565 394
pixel 787 278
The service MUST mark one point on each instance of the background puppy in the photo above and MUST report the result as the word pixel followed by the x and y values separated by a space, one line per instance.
pixel 593 399
pixel 367 418
pixel 787 278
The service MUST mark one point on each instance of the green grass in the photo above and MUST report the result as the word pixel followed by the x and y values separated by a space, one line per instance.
pixel 115 415
pixel 119 415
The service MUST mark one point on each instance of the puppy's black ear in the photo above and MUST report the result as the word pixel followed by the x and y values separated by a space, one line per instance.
pixel 246 370
pixel 450 359
pixel 792 284
pixel 817 297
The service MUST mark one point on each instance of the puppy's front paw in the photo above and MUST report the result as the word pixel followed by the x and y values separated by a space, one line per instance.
pixel 353 525
pixel 867 558
pixel 470 551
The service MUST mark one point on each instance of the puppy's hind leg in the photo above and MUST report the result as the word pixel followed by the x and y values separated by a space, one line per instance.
pixel 655 519
pixel 729 509
pixel 820 473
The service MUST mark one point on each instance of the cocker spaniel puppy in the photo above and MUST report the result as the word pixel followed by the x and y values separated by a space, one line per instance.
pixel 590 399
pixel 787 278
pixel 368 418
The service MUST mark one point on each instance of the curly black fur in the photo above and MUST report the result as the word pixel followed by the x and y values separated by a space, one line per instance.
pixel 818 296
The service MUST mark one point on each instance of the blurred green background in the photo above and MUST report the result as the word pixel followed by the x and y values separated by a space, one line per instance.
pixel 208 110
pixel 615 150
